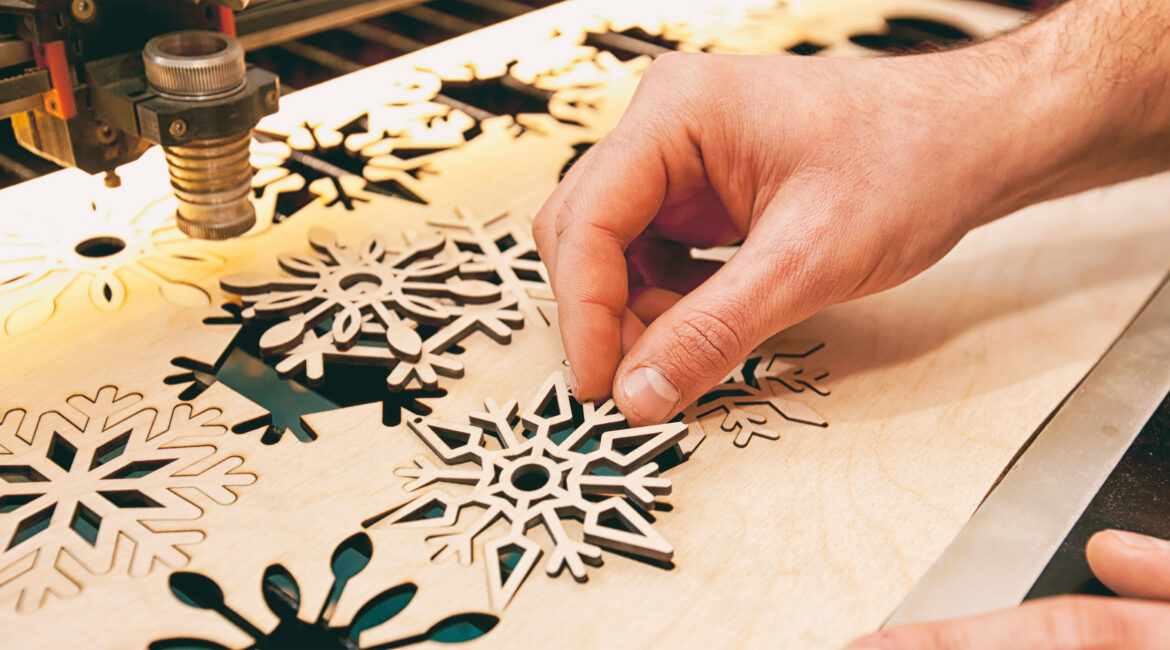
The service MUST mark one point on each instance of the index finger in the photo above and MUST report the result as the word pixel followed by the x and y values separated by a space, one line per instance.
pixel 617 193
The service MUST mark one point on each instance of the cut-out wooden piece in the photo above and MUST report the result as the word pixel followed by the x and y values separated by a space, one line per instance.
pixel 368 305
pixel 594 93
pixel 509 561
pixel 97 243
pixel 515 161
pixel 502 249
pixel 103 469
pixel 424 125
pixel 68 231
pixel 540 467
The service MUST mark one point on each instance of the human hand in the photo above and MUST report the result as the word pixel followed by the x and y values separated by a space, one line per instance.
pixel 1132 565
pixel 841 177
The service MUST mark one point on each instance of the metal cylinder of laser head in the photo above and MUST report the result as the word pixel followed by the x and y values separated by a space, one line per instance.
pixel 212 179
pixel 194 64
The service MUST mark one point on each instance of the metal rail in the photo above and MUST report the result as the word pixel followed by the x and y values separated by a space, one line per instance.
pixel 375 34
pixel 998 555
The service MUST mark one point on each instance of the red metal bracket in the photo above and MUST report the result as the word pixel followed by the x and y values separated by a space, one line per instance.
pixel 59 101
pixel 227 21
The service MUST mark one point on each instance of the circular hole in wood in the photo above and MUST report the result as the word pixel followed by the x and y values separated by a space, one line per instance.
pixel 530 477
pixel 360 283
pixel 103 246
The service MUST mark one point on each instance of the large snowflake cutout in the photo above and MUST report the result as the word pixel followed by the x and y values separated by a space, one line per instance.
pixel 80 482
pixel 369 305
pixel 554 462
pixel 759 394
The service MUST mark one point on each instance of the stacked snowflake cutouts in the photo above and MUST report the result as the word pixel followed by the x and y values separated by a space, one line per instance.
pixel 502 246
pixel 370 305
pixel 543 466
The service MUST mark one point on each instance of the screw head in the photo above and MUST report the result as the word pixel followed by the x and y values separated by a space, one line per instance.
pixel 84 10
pixel 105 133
pixel 178 128
pixel 271 98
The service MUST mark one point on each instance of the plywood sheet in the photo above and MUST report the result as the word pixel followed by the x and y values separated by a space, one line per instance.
pixel 793 507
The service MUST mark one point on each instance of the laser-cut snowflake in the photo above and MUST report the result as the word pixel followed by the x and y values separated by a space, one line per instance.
pixel 758 389
pixel 81 480
pixel 546 465
pixel 368 305
pixel 502 247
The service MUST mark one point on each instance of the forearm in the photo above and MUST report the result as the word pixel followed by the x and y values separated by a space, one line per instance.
pixel 1078 99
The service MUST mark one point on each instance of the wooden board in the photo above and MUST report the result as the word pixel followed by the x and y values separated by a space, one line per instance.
pixel 794 507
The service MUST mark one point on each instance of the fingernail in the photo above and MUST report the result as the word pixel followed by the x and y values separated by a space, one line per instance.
pixel 1139 542
pixel 650 394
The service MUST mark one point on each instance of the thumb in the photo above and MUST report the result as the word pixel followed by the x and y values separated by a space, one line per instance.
pixel 1130 564
pixel 694 344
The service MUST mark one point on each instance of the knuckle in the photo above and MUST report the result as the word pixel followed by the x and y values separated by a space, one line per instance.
pixel 567 217
pixel 669 64
pixel 813 274
pixel 671 86
pixel 709 342
pixel 572 224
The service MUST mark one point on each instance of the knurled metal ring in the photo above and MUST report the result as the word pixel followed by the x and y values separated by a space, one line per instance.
pixel 194 64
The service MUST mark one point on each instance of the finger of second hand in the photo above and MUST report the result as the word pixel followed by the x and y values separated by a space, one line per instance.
pixel 1131 564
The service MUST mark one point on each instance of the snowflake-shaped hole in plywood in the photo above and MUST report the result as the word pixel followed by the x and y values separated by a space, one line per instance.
pixel 99 248
pixel 759 395
pixel 555 461
pixel 78 481
pixel 283 597
pixel 348 166
pixel 403 310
